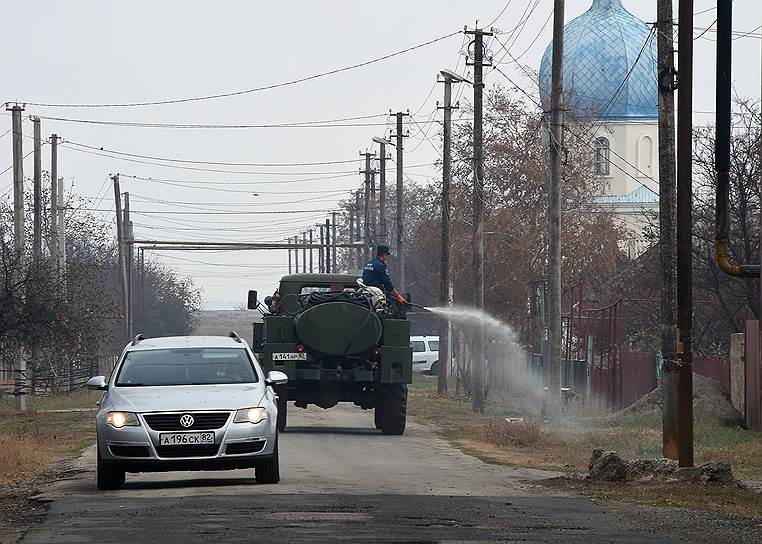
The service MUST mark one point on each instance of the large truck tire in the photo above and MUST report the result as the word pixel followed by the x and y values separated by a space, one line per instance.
pixel 378 412
pixel 394 411
pixel 282 410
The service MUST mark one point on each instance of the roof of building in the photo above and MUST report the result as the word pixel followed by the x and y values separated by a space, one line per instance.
pixel 610 66
pixel 641 195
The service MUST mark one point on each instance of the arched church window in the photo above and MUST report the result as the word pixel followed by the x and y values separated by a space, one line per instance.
pixel 602 156
pixel 645 156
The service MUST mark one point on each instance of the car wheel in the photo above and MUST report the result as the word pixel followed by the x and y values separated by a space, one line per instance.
pixel 269 471
pixel 282 411
pixel 434 370
pixel 395 410
pixel 108 477
pixel 378 412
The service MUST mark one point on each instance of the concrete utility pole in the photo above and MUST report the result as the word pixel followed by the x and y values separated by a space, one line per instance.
pixel 142 287
pixel 20 378
pixel 478 217
pixel 61 228
pixel 311 268
pixel 122 262
pixel 373 209
pixel 54 200
pixel 296 254
pixel 684 231
pixel 321 255
pixel 351 253
pixel 400 249
pixel 333 237
pixel 667 228
pixel 554 213
pixel 328 263
pixel 368 229
pixel 358 232
pixel 444 272
pixel 304 252
pixel 290 270
pixel 37 230
pixel 127 239
pixel 383 233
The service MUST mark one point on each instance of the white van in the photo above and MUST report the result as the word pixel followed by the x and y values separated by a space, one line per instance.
pixel 425 353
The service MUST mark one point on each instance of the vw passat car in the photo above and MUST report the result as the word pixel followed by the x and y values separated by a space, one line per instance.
pixel 187 403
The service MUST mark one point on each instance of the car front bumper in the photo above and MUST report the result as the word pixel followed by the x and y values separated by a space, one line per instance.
pixel 137 448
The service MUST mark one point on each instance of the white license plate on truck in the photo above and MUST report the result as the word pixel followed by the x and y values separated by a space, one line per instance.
pixel 289 356
pixel 183 439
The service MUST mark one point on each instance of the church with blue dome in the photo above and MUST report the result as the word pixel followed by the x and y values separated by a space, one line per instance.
pixel 610 81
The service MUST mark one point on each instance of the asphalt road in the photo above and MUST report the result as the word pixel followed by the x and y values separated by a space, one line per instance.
pixel 342 481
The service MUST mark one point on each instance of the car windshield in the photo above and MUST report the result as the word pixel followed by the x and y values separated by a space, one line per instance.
pixel 434 345
pixel 418 346
pixel 186 366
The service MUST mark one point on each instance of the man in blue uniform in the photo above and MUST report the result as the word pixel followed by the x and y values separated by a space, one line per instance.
pixel 375 274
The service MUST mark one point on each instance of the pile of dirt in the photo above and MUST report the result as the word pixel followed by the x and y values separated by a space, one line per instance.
pixel 711 404
pixel 609 466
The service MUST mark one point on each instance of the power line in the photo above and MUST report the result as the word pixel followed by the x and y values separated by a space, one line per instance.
pixel 248 91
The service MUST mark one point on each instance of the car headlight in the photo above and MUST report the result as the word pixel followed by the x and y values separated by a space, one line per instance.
pixel 122 419
pixel 250 415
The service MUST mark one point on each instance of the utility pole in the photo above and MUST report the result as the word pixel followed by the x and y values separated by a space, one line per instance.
pixel 684 232
pixel 358 233
pixel 382 232
pixel 368 229
pixel 142 287
pixel 351 252
pixel 328 263
pixel 290 271
pixel 37 230
pixel 296 254
pixel 54 201
pixel 333 237
pixel 127 241
pixel 311 269
pixel 554 213
pixel 667 228
pixel 478 217
pixel 20 378
pixel 304 252
pixel 400 249
pixel 321 255
pixel 373 209
pixel 444 273
pixel 61 228
pixel 122 268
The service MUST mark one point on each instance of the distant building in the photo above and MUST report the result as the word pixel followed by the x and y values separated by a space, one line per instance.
pixel 610 78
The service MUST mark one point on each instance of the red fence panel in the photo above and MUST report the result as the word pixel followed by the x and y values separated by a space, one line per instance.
pixel 638 375
pixel 716 368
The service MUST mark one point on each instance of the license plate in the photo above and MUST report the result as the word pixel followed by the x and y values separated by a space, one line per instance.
pixel 289 356
pixel 182 439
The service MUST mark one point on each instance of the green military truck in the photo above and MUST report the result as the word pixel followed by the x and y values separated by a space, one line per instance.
pixel 337 341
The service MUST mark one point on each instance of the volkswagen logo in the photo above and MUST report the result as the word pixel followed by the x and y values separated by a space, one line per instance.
pixel 186 420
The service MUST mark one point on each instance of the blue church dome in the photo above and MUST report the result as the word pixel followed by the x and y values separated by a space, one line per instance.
pixel 609 65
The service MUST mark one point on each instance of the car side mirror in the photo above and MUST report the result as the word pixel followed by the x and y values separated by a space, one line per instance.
pixel 98 383
pixel 251 303
pixel 276 377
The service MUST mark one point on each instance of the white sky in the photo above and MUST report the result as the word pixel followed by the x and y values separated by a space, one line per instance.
pixel 95 52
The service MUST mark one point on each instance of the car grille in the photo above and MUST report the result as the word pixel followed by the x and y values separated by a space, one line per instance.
pixel 202 421
pixel 130 451
pixel 239 448
pixel 196 450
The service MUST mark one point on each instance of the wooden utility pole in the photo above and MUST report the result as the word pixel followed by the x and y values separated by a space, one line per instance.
pixel 290 271
pixel 684 231
pixel 667 228
pixel 311 268
pixel 61 207
pixel 321 255
pixel 304 252
pixel 554 213
pixel 19 378
pixel 367 202
pixel 328 263
pixel 399 218
pixel 296 254
pixel 444 269
pixel 54 201
pixel 122 262
pixel 333 237
pixel 37 230
pixel 478 217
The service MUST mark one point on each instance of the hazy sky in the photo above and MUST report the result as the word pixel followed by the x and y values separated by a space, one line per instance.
pixel 109 52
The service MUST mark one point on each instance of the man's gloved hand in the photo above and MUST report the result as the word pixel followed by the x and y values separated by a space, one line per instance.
pixel 399 298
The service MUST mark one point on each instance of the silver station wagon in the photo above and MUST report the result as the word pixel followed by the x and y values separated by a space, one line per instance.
pixel 187 403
